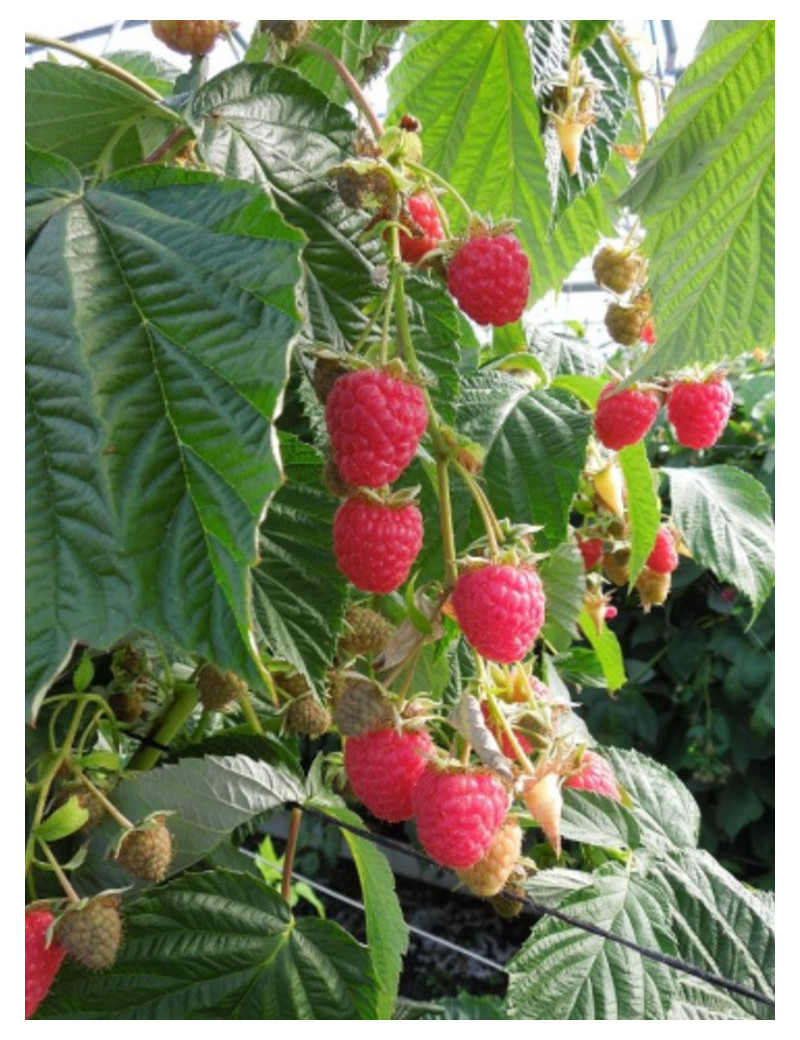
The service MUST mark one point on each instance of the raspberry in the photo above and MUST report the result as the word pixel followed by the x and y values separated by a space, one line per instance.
pixel 458 814
pixel 217 689
pixel 287 32
pixel 375 423
pixel 544 801
pixel 424 229
pixel 625 324
pixel 595 774
pixel 591 551
pixel 362 707
pixel 127 702
pixel 648 334
pixel 375 543
pixel 91 931
pixel 41 961
pixel 616 566
pixel 624 417
pixel 617 271
pixel 653 588
pixel 500 609
pixel 664 557
pixel 699 412
pixel 490 277
pixel 189 37
pixel 383 768
pixel 146 851
pixel 307 716
pixel 295 684
pixel 366 632
pixel 489 875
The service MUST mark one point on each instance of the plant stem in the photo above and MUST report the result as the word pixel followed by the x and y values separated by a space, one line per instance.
pixel 446 522
pixel 249 713
pixel 166 145
pixel 98 63
pixel 353 89
pixel 423 171
pixel 494 533
pixel 167 727
pixel 509 733
pixel 636 76
pixel 63 880
pixel 288 856
pixel 109 807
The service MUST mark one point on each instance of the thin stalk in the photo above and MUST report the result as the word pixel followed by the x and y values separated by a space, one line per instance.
pixel 494 532
pixel 167 728
pixel 63 880
pixel 509 733
pixel 636 77
pixel 174 139
pixel 109 807
pixel 288 856
pixel 100 64
pixel 353 89
pixel 423 171
pixel 249 712
pixel 446 523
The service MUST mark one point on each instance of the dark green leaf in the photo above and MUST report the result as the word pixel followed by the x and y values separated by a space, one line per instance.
pixel 298 591
pixel 221 946
pixel 269 126
pixel 51 183
pixel 595 820
pixel 565 586
pixel 469 82
pixel 725 517
pixel 151 69
pixel 705 191
pixel 160 315
pixel 644 505
pixel 666 812
pixel 563 972
pixel 91 118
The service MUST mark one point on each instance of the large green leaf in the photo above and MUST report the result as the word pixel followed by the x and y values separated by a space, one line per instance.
pixel 644 506
pixel 665 811
pixel 470 84
pixel 209 798
pixel 221 945
pixel 387 932
pixel 705 192
pixel 595 820
pixel 353 43
pixel 725 517
pixel 270 126
pixel 298 592
pixel 720 925
pixel 160 315
pixel 564 583
pixel 90 118
pixel 535 445
pixel 53 183
pixel 563 972
pixel 550 44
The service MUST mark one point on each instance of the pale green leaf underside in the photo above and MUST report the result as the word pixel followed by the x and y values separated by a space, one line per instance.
pixel 644 506
pixel 221 945
pixel 160 315
pixel 606 646
pixel 470 84
pixel 724 515
pixel 705 191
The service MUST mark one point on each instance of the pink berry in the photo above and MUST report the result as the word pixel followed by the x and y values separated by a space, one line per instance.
pixel 591 551
pixel 500 609
pixel 424 229
pixel 375 423
pixel 664 557
pixel 595 774
pixel 375 544
pixel 623 418
pixel 41 961
pixel 699 412
pixel 458 814
pixel 383 767
pixel 490 278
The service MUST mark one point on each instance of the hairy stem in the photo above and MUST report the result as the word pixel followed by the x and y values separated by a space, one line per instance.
pixel 63 880
pixel 249 712
pixel 288 856
pixel 344 74
pixel 167 727
pixel 100 64
pixel 636 77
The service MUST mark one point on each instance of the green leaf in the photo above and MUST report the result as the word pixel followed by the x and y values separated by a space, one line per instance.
pixel 696 1000
pixel 565 586
pixel 65 820
pixel 469 82
pixel 51 184
pixel 269 126
pixel 566 356
pixel 595 820
pixel 387 932
pixel 221 945
pixel 535 445
pixel 719 924
pixel 298 592
pixel 644 505
pixel 564 973
pixel 149 68
pixel 353 43
pixel 91 118
pixel 209 798
pixel 666 812
pixel 607 648
pixel 551 45
pixel 705 192
pixel 436 331
pixel 160 316
pixel 725 517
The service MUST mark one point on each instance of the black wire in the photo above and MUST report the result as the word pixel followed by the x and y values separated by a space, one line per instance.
pixel 540 908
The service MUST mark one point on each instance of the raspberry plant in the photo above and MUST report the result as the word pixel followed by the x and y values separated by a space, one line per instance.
pixel 279 375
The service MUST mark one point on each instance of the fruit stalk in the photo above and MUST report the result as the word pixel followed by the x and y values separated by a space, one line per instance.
pixel 288 856
pixel 166 728
pixel 101 65
pixel 353 89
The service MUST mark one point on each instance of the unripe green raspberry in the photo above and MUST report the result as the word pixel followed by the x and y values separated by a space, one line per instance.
pixel 488 876
pixel 366 632
pixel 625 324
pixel 91 931
pixel 362 707
pixel 307 716
pixel 617 270
pixel 127 702
pixel 218 689
pixel 294 683
pixel 146 851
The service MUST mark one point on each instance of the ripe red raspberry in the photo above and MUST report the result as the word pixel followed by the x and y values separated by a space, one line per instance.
pixel 424 231
pixel 664 557
pixel 591 551
pixel 383 767
pixel 41 961
pixel 458 814
pixel 699 412
pixel 648 334
pixel 500 609
pixel 595 774
pixel 375 423
pixel 375 544
pixel 625 417
pixel 490 277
